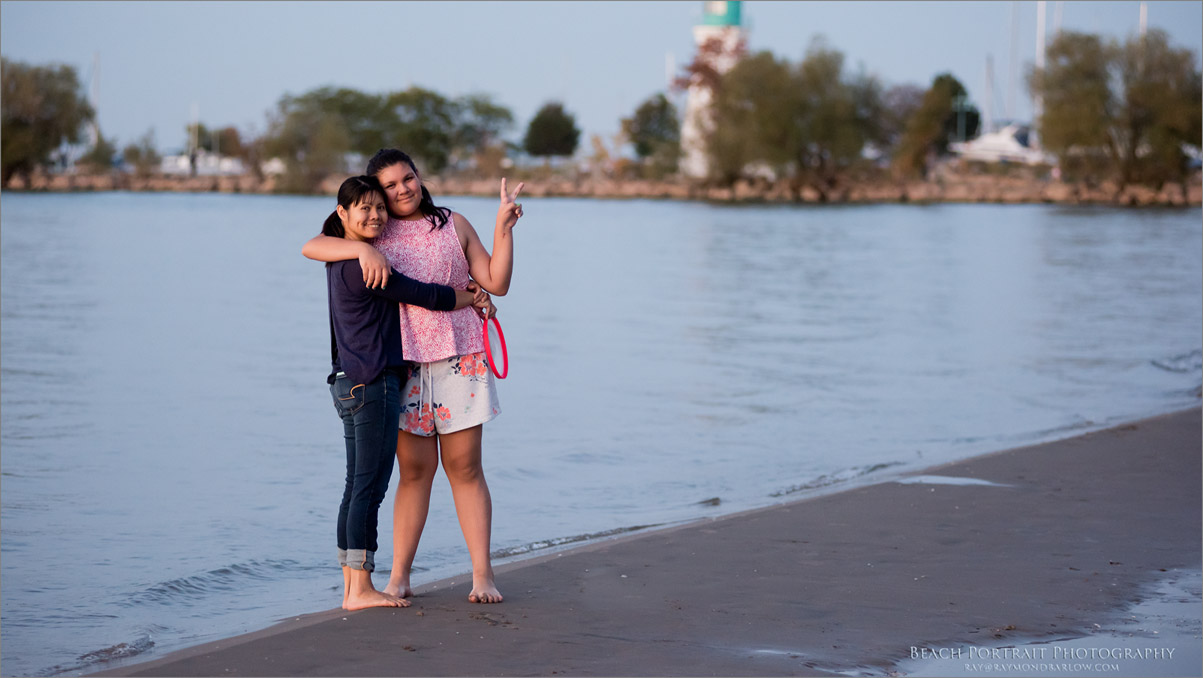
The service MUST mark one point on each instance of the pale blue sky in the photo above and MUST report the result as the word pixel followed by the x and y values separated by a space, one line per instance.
pixel 234 60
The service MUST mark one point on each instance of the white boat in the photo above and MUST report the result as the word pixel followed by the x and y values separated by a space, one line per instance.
pixel 1012 143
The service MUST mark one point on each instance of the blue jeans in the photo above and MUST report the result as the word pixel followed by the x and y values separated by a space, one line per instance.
pixel 370 413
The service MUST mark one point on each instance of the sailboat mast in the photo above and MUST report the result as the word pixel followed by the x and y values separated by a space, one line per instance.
pixel 1038 101
pixel 988 109
pixel 1013 76
pixel 94 95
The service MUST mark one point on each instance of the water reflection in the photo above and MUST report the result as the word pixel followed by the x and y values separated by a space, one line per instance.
pixel 163 395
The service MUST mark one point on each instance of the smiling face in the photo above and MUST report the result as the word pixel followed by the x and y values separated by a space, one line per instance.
pixel 403 190
pixel 364 219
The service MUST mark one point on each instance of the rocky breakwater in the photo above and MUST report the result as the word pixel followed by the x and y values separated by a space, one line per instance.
pixel 944 187
pixel 954 188
pixel 117 181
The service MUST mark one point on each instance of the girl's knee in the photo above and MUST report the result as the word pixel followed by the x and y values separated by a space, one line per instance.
pixel 463 471
pixel 417 470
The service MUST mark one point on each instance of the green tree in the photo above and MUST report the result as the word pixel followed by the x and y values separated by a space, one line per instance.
pixel 1161 108
pixel 807 123
pixel 1122 111
pixel 142 155
pixel 1079 112
pixel 755 113
pixel 933 125
pixel 365 118
pixel 100 156
pixel 656 135
pixel 202 135
pixel 839 115
pixel 253 148
pixel 312 142
pixel 225 141
pixel 431 128
pixel 228 141
pixel 422 124
pixel 479 124
pixel 42 108
pixel 552 132
pixel 899 103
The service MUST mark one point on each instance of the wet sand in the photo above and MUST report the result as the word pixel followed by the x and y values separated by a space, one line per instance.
pixel 1068 534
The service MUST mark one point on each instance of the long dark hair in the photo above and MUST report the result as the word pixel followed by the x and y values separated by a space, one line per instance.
pixel 350 193
pixel 387 157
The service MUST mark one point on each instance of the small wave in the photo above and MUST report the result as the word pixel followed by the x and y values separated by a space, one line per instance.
pixel 560 541
pixel 119 651
pixel 7 372
pixel 826 480
pixel 1051 433
pixel 222 580
pixel 1182 364
pixel 88 661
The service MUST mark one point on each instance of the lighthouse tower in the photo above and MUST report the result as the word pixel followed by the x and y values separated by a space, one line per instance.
pixel 720 41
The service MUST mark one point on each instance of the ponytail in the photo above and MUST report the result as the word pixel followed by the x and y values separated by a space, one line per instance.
pixel 334 226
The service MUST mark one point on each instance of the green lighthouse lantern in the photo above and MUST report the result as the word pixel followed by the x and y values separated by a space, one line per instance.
pixel 720 13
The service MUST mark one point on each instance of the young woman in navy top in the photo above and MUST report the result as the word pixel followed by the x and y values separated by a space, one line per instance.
pixel 365 379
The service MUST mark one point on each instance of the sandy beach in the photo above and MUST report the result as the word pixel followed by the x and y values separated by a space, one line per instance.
pixel 1033 543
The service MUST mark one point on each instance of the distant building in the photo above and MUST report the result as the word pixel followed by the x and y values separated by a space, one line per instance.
pixel 720 28
pixel 273 167
pixel 207 164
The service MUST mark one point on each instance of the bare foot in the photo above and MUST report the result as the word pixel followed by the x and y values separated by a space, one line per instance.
pixel 372 598
pixel 361 594
pixel 399 589
pixel 485 592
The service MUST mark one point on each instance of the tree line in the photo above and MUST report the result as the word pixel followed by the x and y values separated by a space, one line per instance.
pixel 1119 111
pixel 1111 111
pixel 1125 112
pixel 314 134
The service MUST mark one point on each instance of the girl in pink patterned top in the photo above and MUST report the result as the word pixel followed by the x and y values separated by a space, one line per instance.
pixel 450 392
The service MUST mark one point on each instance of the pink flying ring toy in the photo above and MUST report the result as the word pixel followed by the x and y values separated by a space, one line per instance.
pixel 505 356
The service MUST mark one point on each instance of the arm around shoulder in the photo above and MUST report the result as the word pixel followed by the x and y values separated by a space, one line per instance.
pixel 406 290
pixel 328 248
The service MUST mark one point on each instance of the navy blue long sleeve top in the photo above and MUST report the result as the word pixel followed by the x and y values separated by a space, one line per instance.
pixel 365 324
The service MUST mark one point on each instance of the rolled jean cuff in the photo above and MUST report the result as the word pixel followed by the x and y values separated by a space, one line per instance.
pixel 342 557
pixel 358 559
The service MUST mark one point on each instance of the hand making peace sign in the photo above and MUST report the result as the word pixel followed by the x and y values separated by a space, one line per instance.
pixel 510 210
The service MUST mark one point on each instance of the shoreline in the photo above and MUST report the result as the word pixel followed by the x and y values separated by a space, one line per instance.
pixel 1030 543
pixel 945 187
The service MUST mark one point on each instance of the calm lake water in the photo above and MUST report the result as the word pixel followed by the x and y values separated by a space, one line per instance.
pixel 172 462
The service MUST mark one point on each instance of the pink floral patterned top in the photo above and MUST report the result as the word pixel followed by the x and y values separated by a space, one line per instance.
pixel 413 249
